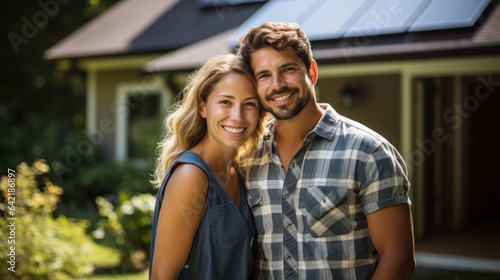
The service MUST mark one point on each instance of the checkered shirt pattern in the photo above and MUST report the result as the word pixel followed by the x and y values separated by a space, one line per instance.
pixel 311 221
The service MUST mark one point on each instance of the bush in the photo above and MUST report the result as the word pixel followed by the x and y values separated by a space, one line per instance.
pixel 40 246
pixel 127 227
pixel 91 180
pixel 106 179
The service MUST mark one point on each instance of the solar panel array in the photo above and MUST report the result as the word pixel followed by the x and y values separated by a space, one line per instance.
pixel 458 13
pixel 277 10
pixel 386 17
pixel 331 19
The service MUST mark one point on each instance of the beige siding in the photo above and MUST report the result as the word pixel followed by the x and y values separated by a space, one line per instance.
pixel 376 103
pixel 107 84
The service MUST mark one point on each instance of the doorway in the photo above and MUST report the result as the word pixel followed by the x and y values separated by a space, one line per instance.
pixel 456 157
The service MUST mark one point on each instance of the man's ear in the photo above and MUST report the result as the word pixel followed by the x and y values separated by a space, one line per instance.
pixel 202 109
pixel 313 72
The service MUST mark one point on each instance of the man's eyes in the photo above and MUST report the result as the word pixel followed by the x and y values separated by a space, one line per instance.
pixel 284 70
pixel 262 76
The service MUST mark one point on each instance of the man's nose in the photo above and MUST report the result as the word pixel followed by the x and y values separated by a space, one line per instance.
pixel 278 81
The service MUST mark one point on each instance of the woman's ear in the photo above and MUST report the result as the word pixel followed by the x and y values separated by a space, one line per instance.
pixel 202 110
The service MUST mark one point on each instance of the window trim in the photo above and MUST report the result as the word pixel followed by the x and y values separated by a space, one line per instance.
pixel 151 86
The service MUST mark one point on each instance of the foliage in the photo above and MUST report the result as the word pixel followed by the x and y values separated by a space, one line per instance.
pixel 102 178
pixel 42 106
pixel 108 178
pixel 40 100
pixel 127 226
pixel 42 247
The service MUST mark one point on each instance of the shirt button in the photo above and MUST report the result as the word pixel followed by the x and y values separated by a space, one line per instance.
pixel 289 226
pixel 186 266
pixel 288 257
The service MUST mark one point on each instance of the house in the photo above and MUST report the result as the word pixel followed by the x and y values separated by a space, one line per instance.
pixel 424 73
pixel 124 103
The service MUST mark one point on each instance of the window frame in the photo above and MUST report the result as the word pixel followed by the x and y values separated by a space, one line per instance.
pixel 152 86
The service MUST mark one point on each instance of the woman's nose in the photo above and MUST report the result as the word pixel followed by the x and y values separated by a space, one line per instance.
pixel 236 113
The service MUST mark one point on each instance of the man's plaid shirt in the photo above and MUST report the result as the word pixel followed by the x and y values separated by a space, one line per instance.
pixel 311 220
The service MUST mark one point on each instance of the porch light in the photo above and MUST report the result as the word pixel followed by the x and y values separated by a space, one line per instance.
pixel 347 95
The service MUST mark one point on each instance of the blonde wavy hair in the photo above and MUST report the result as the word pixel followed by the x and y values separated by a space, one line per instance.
pixel 184 125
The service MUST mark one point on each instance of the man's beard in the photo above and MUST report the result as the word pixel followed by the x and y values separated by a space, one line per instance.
pixel 284 112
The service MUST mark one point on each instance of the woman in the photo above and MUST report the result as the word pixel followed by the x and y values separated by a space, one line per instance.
pixel 203 228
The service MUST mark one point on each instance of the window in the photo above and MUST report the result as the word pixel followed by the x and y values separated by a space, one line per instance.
pixel 140 118
pixel 144 126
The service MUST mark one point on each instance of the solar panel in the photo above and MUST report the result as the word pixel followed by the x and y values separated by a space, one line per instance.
pixel 445 14
pixel 276 10
pixel 386 17
pixel 331 19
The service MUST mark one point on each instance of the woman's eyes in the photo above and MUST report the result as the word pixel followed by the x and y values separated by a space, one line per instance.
pixel 252 104
pixel 228 102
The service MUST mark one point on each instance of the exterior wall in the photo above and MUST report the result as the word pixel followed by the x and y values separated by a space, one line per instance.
pixel 376 101
pixel 409 114
pixel 107 105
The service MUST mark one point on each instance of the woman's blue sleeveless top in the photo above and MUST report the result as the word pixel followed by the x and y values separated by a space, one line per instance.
pixel 221 247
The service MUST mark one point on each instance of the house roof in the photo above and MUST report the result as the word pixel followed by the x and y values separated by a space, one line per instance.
pixel 333 19
pixel 190 57
pixel 139 26
pixel 476 30
pixel 340 31
pixel 485 39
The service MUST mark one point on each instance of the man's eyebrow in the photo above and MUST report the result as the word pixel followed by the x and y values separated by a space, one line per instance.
pixel 284 65
pixel 289 64
pixel 260 72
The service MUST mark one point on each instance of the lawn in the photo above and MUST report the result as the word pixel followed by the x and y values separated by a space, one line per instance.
pixel 107 267
pixel 128 276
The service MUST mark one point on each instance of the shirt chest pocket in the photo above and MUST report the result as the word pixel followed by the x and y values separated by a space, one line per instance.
pixel 227 226
pixel 254 198
pixel 327 211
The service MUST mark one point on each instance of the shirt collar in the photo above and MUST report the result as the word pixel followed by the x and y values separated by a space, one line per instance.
pixel 328 123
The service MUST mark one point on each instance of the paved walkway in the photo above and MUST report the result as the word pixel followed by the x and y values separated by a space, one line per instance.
pixel 474 248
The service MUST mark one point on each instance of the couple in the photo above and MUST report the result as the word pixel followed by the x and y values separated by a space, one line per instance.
pixel 324 197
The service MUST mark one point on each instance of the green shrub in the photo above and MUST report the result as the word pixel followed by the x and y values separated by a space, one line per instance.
pixel 127 227
pixel 43 247
pixel 106 179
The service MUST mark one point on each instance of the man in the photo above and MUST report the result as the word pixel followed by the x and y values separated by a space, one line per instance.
pixel 329 195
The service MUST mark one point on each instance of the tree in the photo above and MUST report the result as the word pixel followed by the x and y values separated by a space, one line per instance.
pixel 41 102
